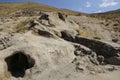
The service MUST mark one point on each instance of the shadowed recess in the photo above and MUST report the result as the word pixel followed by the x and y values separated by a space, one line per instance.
pixel 18 63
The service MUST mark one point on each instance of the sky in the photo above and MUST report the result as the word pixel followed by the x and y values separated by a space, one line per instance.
pixel 87 6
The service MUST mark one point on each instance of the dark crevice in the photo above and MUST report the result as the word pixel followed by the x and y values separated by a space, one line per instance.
pixel 60 15
pixel 18 63
pixel 67 36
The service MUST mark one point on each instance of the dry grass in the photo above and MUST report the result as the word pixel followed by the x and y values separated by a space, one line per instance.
pixel 87 33
pixel 113 16
pixel 7 8
pixel 81 32
pixel 21 27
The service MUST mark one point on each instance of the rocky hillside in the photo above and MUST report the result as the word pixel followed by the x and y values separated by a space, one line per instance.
pixel 112 21
pixel 54 45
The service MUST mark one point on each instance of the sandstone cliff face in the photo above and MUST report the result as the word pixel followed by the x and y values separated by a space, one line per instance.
pixel 55 46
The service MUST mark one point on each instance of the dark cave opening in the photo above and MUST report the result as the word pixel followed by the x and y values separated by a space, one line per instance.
pixel 18 63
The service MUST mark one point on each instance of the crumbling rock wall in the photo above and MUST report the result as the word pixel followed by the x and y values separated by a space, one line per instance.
pixel 101 48
pixel 110 51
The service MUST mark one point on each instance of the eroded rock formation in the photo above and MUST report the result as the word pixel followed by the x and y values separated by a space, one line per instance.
pixel 52 45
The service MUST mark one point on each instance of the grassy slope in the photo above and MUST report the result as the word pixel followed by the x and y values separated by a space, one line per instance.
pixel 111 15
pixel 7 8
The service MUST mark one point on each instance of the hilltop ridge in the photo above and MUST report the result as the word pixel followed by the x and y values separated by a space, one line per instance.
pixel 6 8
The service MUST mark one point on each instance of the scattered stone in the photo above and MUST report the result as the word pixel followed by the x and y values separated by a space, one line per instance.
pixel 60 15
pixel 81 50
pixel 31 24
pixel 100 59
pixel 79 53
pixel 92 72
pixel 44 17
pixel 74 60
pixel 45 22
pixel 80 66
pixel 93 54
pixel 93 58
pixel 110 68
pixel 4 42
pixel 23 13
pixel 115 40
pixel 100 70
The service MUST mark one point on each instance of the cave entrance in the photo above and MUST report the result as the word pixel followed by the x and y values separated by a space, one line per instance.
pixel 18 63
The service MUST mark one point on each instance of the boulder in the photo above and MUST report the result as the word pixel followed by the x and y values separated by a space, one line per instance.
pixel 115 40
pixel 80 66
pixel 93 58
pixel 45 33
pixel 36 54
pixel 31 24
pixel 68 35
pixel 81 50
pixel 113 60
pixel 100 59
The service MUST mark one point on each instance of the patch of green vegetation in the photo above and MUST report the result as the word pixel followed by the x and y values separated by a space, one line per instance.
pixel 21 27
